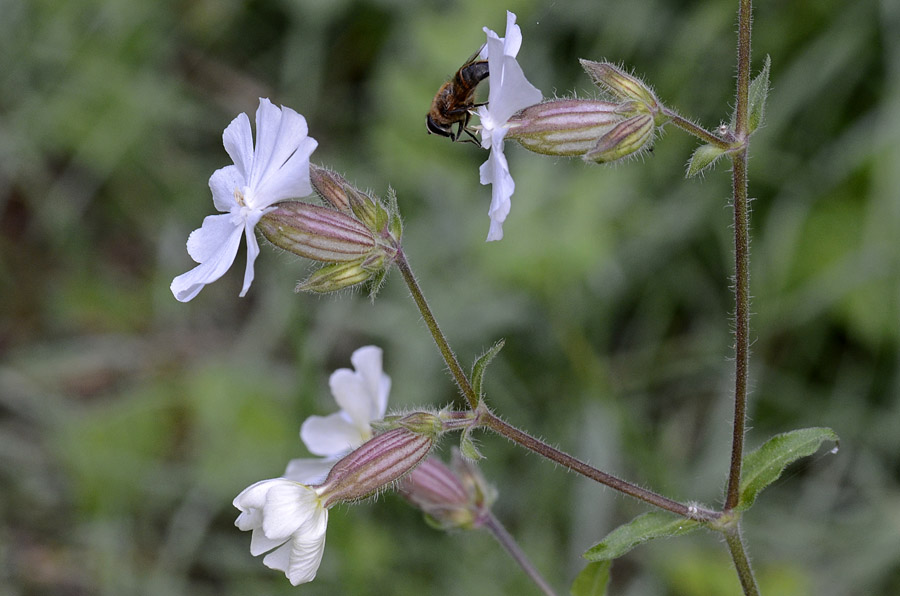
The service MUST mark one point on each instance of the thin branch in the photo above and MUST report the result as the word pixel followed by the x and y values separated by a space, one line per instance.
pixel 509 544
pixel 489 420
pixel 462 381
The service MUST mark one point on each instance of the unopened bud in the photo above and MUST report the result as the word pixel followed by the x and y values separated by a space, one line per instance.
pixel 316 233
pixel 626 138
pixel 451 497
pixel 564 126
pixel 375 465
pixel 343 196
pixel 620 84
pixel 337 276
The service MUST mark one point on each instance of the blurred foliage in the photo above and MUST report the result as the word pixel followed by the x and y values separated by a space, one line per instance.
pixel 129 421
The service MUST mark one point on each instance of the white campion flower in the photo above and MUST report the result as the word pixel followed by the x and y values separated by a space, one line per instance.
pixel 277 168
pixel 362 395
pixel 510 92
pixel 287 521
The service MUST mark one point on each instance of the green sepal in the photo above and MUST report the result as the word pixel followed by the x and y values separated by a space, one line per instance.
pixel 704 156
pixel 765 465
pixel 467 446
pixel 395 227
pixel 481 364
pixel 656 524
pixel 593 580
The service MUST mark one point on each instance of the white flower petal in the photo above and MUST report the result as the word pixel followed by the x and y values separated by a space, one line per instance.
pixel 238 141
pixel 514 93
pixel 288 506
pixel 223 183
pixel 495 171
pixel 512 39
pixel 214 246
pixel 368 364
pixel 281 168
pixel 331 435
pixel 352 394
pixel 291 180
pixel 280 558
pixel 309 470
pixel 307 549
pixel 252 251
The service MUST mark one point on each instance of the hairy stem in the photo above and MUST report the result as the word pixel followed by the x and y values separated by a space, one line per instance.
pixel 462 381
pixel 741 206
pixel 741 562
pixel 696 130
pixel 489 420
pixel 509 543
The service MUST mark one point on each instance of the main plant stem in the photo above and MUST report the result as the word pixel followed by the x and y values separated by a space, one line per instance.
pixel 741 206
pixel 741 562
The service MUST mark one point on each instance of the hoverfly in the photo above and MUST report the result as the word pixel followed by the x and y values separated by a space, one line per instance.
pixel 455 98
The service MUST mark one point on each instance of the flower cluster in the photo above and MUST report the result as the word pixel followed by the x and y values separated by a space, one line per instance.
pixel 288 516
pixel 356 239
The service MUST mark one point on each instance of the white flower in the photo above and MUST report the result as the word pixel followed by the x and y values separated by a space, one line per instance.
pixel 288 522
pixel 510 92
pixel 362 395
pixel 277 168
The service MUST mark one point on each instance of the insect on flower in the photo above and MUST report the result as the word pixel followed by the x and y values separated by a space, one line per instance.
pixel 455 98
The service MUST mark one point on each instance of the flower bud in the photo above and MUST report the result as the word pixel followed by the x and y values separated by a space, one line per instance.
pixel 332 278
pixel 332 187
pixel 375 465
pixel 620 84
pixel 564 126
pixel 316 233
pixel 451 497
pixel 626 138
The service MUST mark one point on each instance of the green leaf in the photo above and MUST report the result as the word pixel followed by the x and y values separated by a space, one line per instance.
pixel 649 526
pixel 764 466
pixel 757 94
pixel 481 364
pixel 593 580
pixel 703 157
pixel 759 91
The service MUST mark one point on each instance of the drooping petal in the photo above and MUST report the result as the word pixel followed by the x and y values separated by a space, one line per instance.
pixel 307 549
pixel 495 171
pixel 214 245
pixel 252 250
pixel 238 141
pixel 223 184
pixel 308 470
pixel 332 435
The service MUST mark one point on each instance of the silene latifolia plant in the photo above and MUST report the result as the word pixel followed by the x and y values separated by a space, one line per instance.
pixel 363 450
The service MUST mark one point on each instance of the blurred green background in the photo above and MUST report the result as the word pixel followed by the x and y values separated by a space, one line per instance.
pixel 129 421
